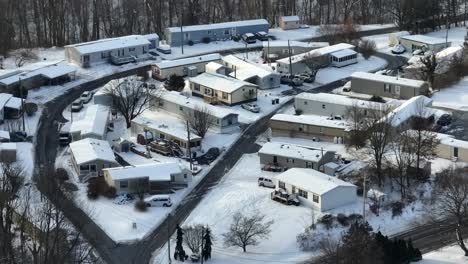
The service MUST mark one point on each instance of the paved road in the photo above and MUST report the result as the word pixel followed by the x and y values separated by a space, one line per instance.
pixel 140 252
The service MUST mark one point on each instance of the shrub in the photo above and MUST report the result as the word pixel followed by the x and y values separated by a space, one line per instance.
pixel 353 218
pixel 206 40
pixel 175 83
pixel 190 43
pixel 327 220
pixel 20 91
pixel 342 219
pixel 141 206
pixel 367 48
pixel 397 208
pixel 61 174
pixel 70 187
pixel 298 112
pixel 92 192
pixel 99 186
pixel 376 98
pixel 30 108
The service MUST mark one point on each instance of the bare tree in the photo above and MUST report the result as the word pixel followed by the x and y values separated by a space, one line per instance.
pixel 24 56
pixel 193 237
pixel 367 48
pixel 429 66
pixel 200 120
pixel 247 230
pixel 451 202
pixel 357 136
pixel 131 97
pixel 404 158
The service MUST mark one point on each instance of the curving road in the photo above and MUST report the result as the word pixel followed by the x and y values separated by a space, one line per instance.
pixel 141 251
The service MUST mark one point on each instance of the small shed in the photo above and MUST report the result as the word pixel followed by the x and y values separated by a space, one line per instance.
pixel 8 152
pixel 289 22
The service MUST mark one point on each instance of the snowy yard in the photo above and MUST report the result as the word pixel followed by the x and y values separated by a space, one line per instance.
pixel 447 255
pixel 454 97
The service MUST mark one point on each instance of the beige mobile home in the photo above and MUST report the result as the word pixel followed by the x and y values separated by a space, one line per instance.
pixel 90 156
pixel 315 189
pixel 452 149
pixel 289 22
pixel 183 67
pixel 415 42
pixel 121 50
pixel 387 86
pixel 217 88
pixel 288 156
pixel 316 128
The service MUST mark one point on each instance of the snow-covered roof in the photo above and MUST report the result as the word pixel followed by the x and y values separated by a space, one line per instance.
pixel 8 73
pixel 110 44
pixel 188 61
pixel 449 140
pixel 387 79
pixel 14 103
pixel 318 52
pixel 339 100
pixel 50 71
pixel 8 146
pixel 153 171
pixel 343 53
pixel 4 98
pixel 220 82
pixel 94 121
pixel 255 69
pixel 151 36
pixel 313 120
pixel 292 151
pixel 411 108
pixel 227 25
pixel 213 66
pixel 312 180
pixel 4 134
pixel 289 18
pixel 182 100
pixel 424 39
pixel 177 130
pixel 292 44
pixel 90 149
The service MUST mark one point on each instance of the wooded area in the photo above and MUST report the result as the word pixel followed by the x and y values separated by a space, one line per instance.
pixel 32 23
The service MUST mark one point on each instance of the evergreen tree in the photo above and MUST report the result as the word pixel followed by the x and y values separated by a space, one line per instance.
pixel 179 252
pixel 207 243
pixel 175 83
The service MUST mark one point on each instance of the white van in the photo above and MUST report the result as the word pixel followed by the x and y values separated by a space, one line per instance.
pixel 265 182
pixel 159 200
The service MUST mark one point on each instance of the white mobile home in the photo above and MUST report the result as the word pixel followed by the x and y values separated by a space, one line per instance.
pixel 261 75
pixel 315 189
pixel 289 22
pixel 279 49
pixel 183 67
pixel 217 88
pixel 90 156
pixel 320 57
pixel 152 177
pixel 343 58
pixel 414 42
pixel 133 48
pixel 176 103
pixel 93 125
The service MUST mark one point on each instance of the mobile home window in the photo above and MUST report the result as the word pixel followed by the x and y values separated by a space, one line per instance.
pixel 455 152
pixel 103 55
pixel 315 198
pixel 302 193
pixel 305 102
pixel 92 167
pixel 196 87
pixel 309 165
pixel 131 49
pixel 124 184
pixel 226 32
pixel 281 185
pixel 209 32
pixel 225 95
pixel 84 167
pixel 323 106
pixel 387 87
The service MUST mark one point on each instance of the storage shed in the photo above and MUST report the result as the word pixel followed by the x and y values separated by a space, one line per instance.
pixel 315 189
pixel 289 22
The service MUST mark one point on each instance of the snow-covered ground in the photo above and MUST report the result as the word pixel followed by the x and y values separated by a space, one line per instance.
pixel 454 97
pixel 447 255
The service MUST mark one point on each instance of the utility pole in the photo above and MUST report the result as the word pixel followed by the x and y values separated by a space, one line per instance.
pixel 290 62
pixel 268 53
pixel 22 104
pixel 168 239
pixel 364 195
pixel 182 32
pixel 189 152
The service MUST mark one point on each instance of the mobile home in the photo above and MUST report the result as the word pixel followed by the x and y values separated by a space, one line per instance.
pixel 183 67
pixel 261 75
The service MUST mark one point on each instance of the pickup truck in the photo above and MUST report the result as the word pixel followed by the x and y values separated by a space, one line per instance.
pixel 284 197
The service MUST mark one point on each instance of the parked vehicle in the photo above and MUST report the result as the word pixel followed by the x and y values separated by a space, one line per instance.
pixel 208 157
pixel 18 136
pixel 161 147
pixel 265 182
pixel 153 53
pixel 272 168
pixel 236 37
pixel 444 120
pixel 289 92
pixel 64 138
pixel 164 49
pixel 307 78
pixel 159 200
pixel 77 105
pixel 283 197
pixel 86 97
pixel 262 36
pixel 335 117
pixel 254 108
pixel 124 198
pixel 291 80
pixel 398 49
pixel 249 38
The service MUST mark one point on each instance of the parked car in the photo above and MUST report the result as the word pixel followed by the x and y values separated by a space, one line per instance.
pixel 86 97
pixel 236 37
pixel 64 138
pixel 398 49
pixel 153 53
pixel 159 200
pixel 335 117
pixel 208 157
pixel 307 78
pixel 289 92
pixel 262 36
pixel 160 146
pixel 18 136
pixel 418 52
pixel 444 120
pixel 77 105
pixel 164 49
pixel 124 198
pixel 291 80
pixel 254 108
pixel 249 38
pixel 265 182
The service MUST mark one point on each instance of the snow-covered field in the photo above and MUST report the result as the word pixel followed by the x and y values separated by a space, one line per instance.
pixel 454 97
pixel 447 255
